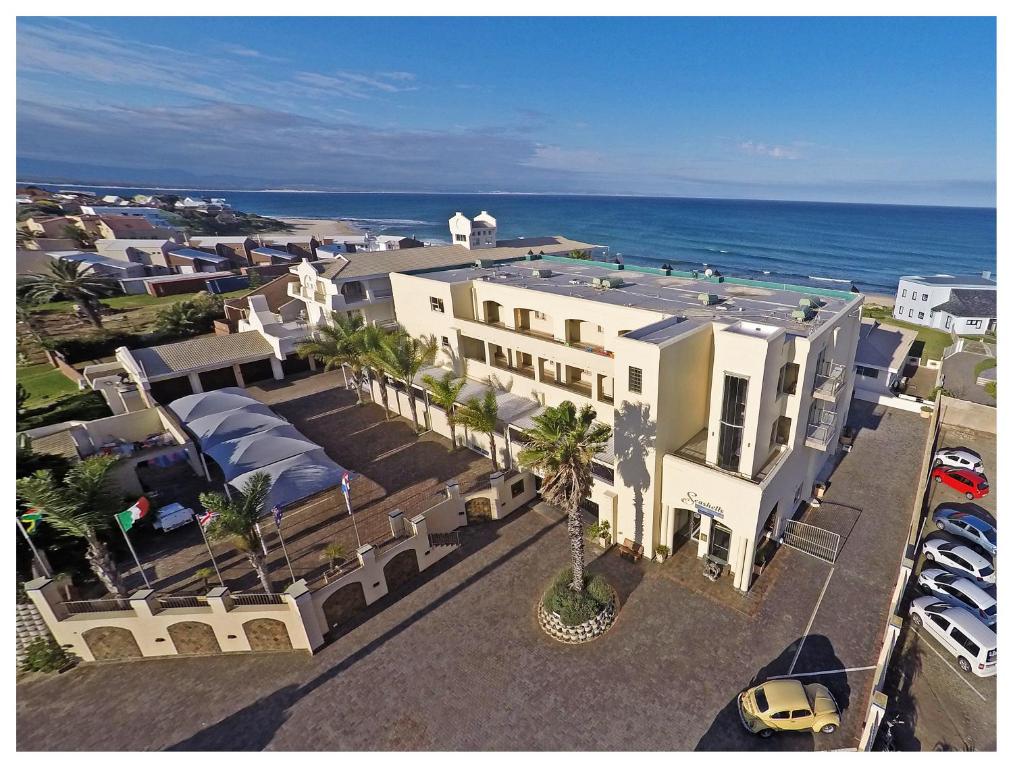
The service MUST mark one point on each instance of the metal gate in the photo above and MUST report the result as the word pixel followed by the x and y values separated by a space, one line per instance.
pixel 814 541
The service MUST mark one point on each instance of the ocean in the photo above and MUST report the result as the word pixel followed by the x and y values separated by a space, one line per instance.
pixel 867 245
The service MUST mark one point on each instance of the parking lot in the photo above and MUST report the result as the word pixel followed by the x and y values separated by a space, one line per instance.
pixel 942 707
pixel 459 662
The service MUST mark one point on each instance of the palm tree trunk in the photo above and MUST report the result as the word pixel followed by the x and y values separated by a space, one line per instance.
pixel 492 451
pixel 90 312
pixel 453 433
pixel 357 381
pixel 369 379
pixel 575 531
pixel 103 567
pixel 383 396
pixel 260 568
pixel 412 405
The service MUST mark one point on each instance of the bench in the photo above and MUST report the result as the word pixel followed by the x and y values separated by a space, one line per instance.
pixel 631 550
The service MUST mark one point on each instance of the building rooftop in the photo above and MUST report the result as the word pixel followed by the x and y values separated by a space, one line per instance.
pixel 884 346
pixel 90 257
pixel 745 303
pixel 201 353
pixel 969 303
pixel 194 255
pixel 984 280
pixel 354 265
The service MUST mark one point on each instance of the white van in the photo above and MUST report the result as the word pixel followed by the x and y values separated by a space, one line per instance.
pixel 960 632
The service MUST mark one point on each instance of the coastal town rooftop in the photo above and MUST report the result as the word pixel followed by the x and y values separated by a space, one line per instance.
pixel 679 300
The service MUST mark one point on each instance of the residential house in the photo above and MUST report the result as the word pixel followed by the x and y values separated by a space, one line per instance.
pixel 961 304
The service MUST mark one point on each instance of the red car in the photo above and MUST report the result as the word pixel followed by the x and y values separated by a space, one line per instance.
pixel 969 483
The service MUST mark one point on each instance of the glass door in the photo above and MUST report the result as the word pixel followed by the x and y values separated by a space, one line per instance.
pixel 721 542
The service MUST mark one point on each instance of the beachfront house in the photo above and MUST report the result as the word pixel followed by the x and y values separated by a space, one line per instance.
pixel 964 305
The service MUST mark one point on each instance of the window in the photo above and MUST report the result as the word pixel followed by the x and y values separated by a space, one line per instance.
pixel 636 380
pixel 900 311
pixel 903 294
pixel 795 713
pixel 965 642
pixel 974 323
pixel 435 304
pixel 461 238
pixel 446 342
pixel 925 297
pixel 872 373
pixel 948 321
pixel 733 419
pixel 910 313
pixel 787 379
pixel 780 431
pixel 939 621
pixel 782 715
pixel 921 315
pixel 517 489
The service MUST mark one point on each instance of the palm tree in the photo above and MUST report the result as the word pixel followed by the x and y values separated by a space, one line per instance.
pixel 561 445
pixel 403 356
pixel 181 318
pixel 444 392
pixel 341 343
pixel 76 282
pixel 82 506
pixel 374 340
pixel 81 237
pixel 481 416
pixel 236 519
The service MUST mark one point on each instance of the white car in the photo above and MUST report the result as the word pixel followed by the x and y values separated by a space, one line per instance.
pixel 966 525
pixel 959 558
pixel 959 632
pixel 959 458
pixel 959 592
pixel 172 516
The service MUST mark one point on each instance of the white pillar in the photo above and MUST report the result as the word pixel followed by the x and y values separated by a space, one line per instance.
pixel 276 370
pixel 195 384
pixel 239 375
pixel 744 578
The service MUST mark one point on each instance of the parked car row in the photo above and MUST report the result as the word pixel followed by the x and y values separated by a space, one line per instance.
pixel 959 608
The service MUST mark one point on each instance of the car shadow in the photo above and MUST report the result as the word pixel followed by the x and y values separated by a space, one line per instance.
pixel 726 732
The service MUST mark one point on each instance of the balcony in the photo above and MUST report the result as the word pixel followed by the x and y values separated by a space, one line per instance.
pixel 829 381
pixel 500 362
pixel 587 347
pixel 695 450
pixel 820 430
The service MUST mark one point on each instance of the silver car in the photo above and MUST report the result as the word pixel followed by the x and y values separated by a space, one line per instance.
pixel 966 525
pixel 958 591
pixel 960 559
pixel 959 458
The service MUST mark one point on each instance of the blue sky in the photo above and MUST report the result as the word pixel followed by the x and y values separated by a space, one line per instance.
pixel 866 110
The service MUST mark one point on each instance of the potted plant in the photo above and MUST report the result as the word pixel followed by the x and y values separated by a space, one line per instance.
pixel 601 532
pixel 334 553
pixel 205 575
pixel 926 411
pixel 661 553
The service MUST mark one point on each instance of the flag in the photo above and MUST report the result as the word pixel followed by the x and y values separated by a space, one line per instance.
pixel 277 516
pixel 346 485
pixel 31 519
pixel 207 517
pixel 132 515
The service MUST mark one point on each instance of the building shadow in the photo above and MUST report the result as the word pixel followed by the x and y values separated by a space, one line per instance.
pixel 726 732
pixel 905 666
pixel 634 439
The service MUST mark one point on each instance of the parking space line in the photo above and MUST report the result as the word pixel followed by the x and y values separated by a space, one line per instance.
pixel 824 672
pixel 957 672
pixel 812 618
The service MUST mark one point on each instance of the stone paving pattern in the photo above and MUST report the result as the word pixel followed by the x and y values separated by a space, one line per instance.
pixel 459 663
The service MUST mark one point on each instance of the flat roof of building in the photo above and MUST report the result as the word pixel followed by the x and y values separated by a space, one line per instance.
pixel 884 346
pixel 956 281
pixel 352 265
pixel 677 299
pixel 201 353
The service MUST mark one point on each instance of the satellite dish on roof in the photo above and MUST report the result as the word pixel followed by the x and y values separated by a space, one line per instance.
pixel 709 272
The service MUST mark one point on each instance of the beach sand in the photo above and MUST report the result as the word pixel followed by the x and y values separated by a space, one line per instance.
pixel 879 299
pixel 318 227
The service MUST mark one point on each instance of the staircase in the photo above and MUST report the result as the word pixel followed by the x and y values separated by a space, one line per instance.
pixel 451 539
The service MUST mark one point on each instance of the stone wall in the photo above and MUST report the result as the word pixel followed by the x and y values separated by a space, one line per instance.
pixel 963 413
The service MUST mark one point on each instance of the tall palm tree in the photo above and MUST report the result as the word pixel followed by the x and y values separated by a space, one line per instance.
pixel 78 283
pixel 236 520
pixel 374 340
pixel 444 392
pixel 24 307
pixel 481 415
pixel 404 356
pixel 81 506
pixel 341 343
pixel 561 445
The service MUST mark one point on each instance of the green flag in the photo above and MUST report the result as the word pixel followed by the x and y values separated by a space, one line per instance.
pixel 132 515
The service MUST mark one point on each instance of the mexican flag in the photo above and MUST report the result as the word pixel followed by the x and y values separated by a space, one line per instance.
pixel 132 515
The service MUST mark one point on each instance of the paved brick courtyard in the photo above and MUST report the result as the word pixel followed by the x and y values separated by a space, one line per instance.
pixel 458 662
pixel 397 470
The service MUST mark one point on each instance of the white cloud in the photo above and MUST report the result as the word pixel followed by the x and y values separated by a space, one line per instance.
pixel 774 151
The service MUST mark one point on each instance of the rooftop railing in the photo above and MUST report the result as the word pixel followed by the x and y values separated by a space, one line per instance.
pixel 820 429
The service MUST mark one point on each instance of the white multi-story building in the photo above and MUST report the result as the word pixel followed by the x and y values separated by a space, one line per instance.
pixel 727 397
pixel 964 305
pixel 473 234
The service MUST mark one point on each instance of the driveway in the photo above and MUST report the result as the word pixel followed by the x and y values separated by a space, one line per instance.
pixel 961 378
pixel 459 663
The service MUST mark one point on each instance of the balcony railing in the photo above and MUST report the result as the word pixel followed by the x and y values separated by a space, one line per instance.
pixel 586 346
pixel 829 380
pixel 820 429
pixel 695 450
pixel 521 370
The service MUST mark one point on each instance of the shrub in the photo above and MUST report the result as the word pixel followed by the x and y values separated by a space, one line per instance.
pixel 600 530
pixel 94 345
pixel 572 607
pixel 44 655
pixel 189 317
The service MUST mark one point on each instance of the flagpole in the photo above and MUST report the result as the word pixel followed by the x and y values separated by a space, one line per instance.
pixel 35 552
pixel 283 549
pixel 348 503
pixel 131 546
pixel 210 552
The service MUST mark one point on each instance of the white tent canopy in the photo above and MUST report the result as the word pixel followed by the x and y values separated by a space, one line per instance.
pixel 228 425
pixel 193 407
pixel 296 478
pixel 246 454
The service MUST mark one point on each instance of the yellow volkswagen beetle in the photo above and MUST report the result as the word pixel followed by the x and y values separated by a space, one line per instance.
pixel 787 705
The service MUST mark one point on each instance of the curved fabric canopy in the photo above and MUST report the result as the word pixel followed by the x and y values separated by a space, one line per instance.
pixel 252 452
pixel 193 407
pixel 296 478
pixel 229 425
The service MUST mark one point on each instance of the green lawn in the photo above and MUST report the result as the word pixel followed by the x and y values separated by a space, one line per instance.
pixel 133 301
pixel 44 383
